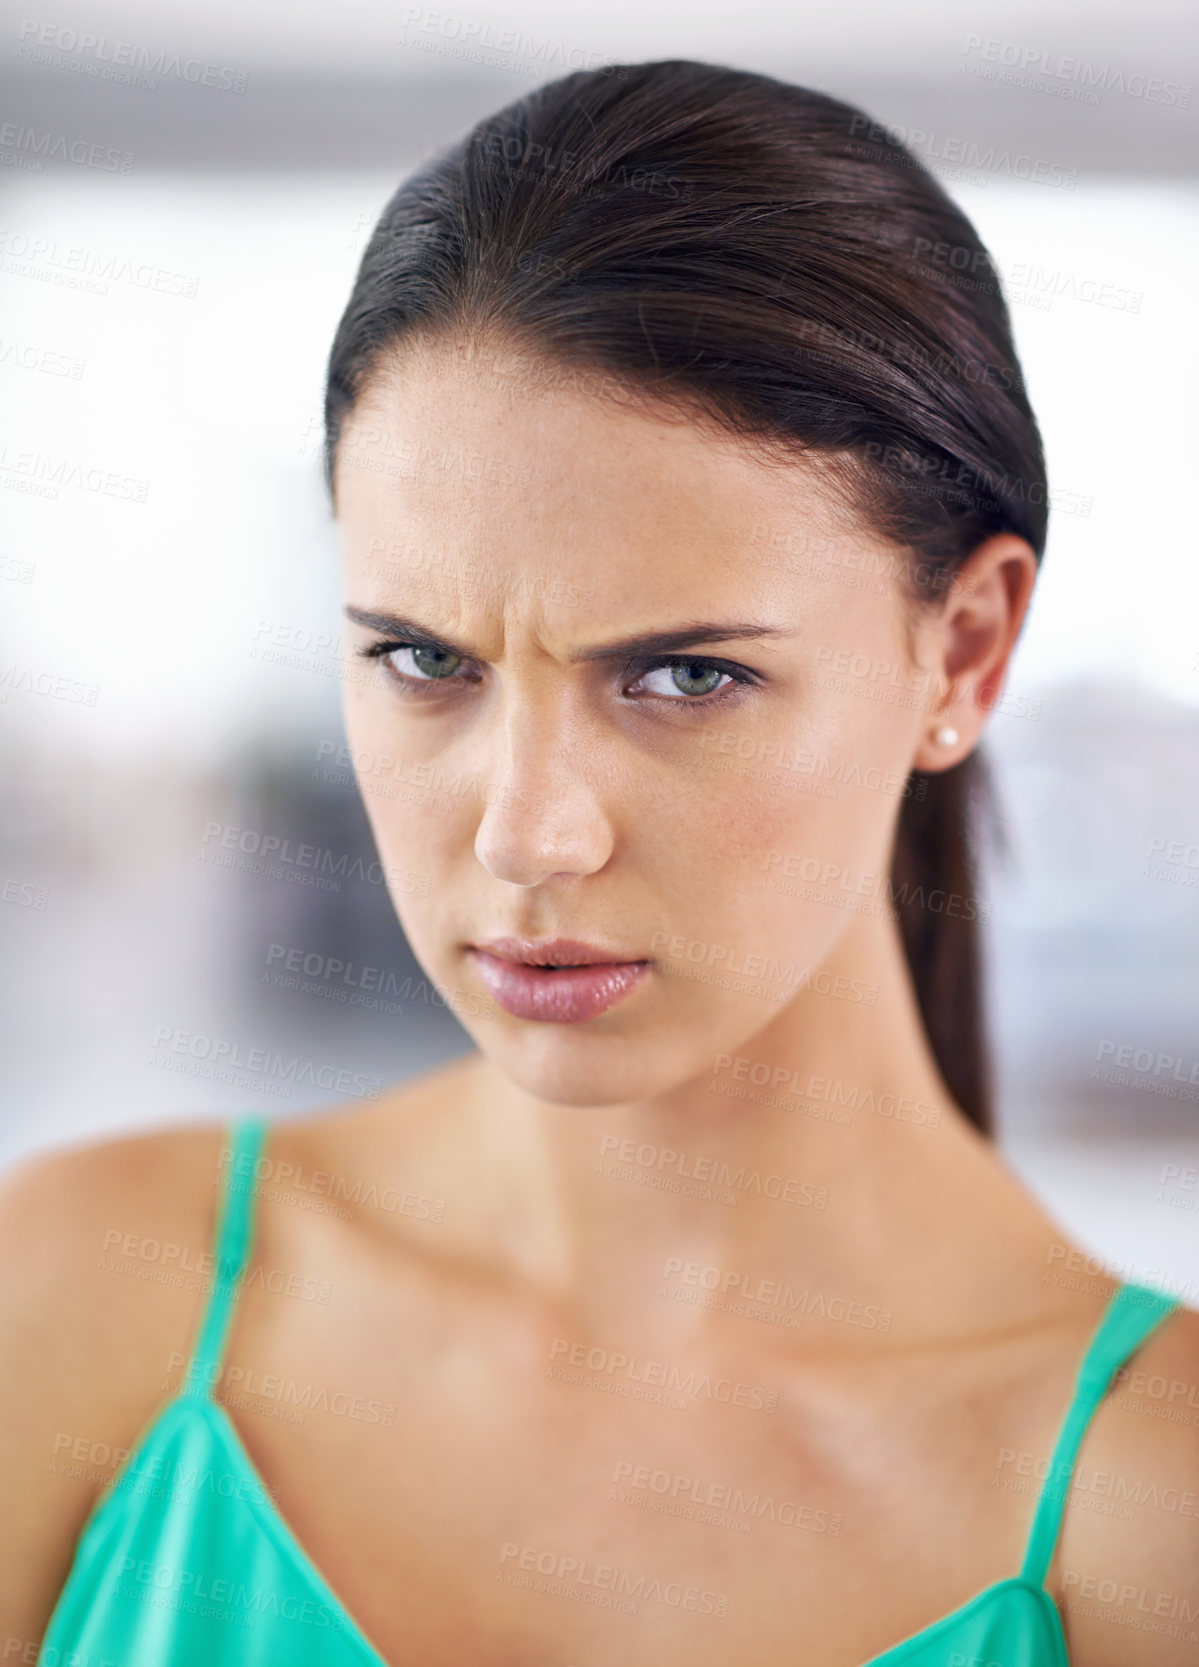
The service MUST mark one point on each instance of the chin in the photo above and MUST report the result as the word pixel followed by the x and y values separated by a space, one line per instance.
pixel 563 1066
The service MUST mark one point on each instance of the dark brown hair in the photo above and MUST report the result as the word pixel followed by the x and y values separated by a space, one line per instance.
pixel 770 260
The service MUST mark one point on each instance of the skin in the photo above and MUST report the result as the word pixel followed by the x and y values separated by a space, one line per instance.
pixel 605 811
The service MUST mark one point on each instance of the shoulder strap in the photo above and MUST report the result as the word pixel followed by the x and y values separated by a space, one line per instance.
pixel 1131 1315
pixel 231 1250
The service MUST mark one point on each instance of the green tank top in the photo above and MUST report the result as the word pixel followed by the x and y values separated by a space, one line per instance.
pixel 185 1560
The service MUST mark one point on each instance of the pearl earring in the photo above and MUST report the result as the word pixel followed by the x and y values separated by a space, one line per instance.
pixel 946 736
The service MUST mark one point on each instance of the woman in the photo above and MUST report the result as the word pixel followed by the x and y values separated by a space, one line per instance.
pixel 691 505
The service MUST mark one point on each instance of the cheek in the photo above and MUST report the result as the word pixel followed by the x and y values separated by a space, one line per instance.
pixel 420 830
pixel 771 836
pixel 727 888
pixel 422 816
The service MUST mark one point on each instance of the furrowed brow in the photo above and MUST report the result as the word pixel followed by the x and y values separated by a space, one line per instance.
pixel 647 643
pixel 642 645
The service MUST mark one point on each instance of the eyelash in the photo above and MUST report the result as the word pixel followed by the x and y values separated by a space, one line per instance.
pixel 741 675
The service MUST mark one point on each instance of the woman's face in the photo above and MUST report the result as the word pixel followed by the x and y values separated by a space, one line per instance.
pixel 529 774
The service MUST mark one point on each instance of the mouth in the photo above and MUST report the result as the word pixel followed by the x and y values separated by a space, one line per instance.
pixel 555 980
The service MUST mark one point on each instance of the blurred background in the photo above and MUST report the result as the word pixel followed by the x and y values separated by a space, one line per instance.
pixel 184 194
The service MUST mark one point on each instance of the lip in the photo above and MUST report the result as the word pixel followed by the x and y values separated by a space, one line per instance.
pixel 587 981
pixel 566 952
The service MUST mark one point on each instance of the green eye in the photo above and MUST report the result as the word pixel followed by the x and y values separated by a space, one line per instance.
pixel 433 662
pixel 696 678
pixel 410 664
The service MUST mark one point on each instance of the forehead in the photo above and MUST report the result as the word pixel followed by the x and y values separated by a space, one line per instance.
pixel 473 458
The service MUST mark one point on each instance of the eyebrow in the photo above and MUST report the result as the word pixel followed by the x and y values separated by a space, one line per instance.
pixel 644 643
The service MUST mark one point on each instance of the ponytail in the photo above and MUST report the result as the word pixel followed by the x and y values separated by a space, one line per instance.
pixel 935 891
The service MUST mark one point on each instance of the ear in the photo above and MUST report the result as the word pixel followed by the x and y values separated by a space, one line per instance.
pixel 967 645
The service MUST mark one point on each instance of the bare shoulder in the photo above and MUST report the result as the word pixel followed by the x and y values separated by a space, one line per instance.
pixel 91 1235
pixel 390 1165
pixel 95 1301
pixel 1127 1569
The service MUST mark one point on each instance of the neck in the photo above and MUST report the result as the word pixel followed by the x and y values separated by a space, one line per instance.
pixel 825 1151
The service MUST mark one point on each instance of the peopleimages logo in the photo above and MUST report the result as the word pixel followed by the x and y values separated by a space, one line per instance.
pixel 565 1572
pixel 614 1364
pixel 827 880
pixel 77 267
pixel 110 57
pixel 942 147
pixel 330 971
pixel 227 1599
pixel 221 1054
pixel 826 1090
pixel 1148 1062
pixel 774 1292
pixel 58 147
pixel 1030 64
pixel 718 1171
pixel 644 1478
pixel 47 474
pixel 758 967
pixel 282 856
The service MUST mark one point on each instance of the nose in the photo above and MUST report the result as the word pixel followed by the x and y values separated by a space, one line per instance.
pixel 543 814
